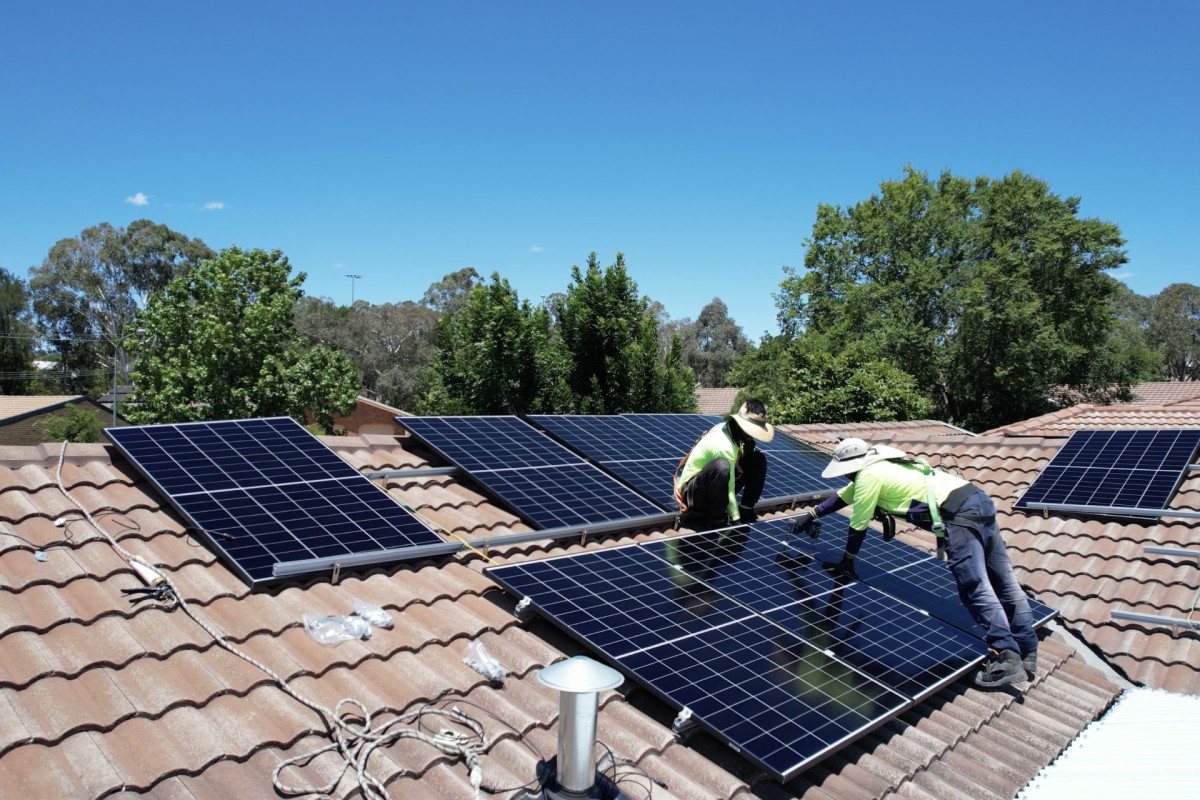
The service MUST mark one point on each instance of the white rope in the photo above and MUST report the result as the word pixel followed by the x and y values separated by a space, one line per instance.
pixel 354 741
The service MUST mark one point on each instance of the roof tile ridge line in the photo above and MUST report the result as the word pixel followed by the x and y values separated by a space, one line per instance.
pixel 1179 400
pixel 51 484
pixel 283 746
pixel 104 577
pixel 76 544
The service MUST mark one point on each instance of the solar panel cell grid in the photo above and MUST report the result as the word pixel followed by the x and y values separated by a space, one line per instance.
pixel 480 444
pixel 567 496
pixel 603 438
pixel 652 478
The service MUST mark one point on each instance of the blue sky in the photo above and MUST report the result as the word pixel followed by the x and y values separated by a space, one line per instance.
pixel 402 141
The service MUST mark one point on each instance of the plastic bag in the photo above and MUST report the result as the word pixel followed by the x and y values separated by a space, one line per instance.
pixel 479 659
pixel 372 614
pixel 328 630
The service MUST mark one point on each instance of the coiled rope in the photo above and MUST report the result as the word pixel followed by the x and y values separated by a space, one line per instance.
pixel 354 740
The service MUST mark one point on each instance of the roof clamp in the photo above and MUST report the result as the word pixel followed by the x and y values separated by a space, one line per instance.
pixel 337 572
pixel 524 609
pixel 583 539
pixel 684 722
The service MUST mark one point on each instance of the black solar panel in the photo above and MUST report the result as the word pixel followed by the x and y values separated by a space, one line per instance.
pixel 781 701
pixel 265 492
pixel 535 476
pixel 604 438
pixel 681 431
pixel 1120 469
pixel 652 477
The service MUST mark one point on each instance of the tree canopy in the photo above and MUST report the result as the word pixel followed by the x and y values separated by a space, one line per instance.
pixel 219 343
pixel 16 346
pixel 711 343
pixel 991 294
pixel 1174 329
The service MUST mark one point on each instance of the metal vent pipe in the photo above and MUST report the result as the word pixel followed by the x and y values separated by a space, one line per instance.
pixel 579 681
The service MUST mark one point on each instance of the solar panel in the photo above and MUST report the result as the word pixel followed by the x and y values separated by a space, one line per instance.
pixel 644 451
pixel 781 701
pixel 535 476
pixel 898 569
pixel 1126 471
pixel 265 493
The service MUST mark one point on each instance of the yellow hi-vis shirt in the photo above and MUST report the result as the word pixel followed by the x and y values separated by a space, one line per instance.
pixel 717 443
pixel 894 487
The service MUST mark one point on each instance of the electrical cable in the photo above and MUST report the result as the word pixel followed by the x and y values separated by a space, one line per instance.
pixel 355 740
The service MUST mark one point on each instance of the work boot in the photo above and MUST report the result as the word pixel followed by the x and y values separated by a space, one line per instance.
pixel 1000 669
pixel 1029 662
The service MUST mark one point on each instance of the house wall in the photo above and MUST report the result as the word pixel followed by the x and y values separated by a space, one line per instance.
pixel 28 430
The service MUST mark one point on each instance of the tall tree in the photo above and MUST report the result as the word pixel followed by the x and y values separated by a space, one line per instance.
pixel 712 342
pixel 611 338
pixel 16 346
pixel 220 343
pixel 90 287
pixel 991 293
pixel 1174 328
pixel 452 292
pixel 390 344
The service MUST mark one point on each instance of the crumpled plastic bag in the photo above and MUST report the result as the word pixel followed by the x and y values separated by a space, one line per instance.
pixel 479 659
pixel 328 630
pixel 372 614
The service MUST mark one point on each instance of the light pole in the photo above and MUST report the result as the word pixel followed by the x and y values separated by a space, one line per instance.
pixel 116 360
pixel 352 278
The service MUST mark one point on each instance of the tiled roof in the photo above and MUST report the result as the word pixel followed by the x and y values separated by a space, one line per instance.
pixel 104 699
pixel 1183 413
pixel 716 401
pixel 14 405
pixel 1086 567
pixel 1158 392
pixel 867 430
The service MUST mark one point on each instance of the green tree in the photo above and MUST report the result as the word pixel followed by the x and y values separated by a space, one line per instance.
pixel 494 355
pixel 1174 328
pixel 610 336
pixel 712 342
pixel 80 425
pixel 451 293
pixel 220 343
pixel 391 344
pixel 16 346
pixel 90 288
pixel 991 293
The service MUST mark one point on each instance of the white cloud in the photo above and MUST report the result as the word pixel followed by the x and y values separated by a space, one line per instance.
pixel 536 249
pixel 1123 275
pixel 213 206
pixel 138 199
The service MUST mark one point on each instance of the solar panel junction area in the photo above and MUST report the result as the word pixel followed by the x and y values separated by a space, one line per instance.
pixel 270 498
pixel 1120 472
pixel 766 648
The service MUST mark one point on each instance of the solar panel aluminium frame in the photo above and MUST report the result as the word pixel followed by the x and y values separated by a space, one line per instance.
pixel 284 570
pixel 1115 511
pixel 612 659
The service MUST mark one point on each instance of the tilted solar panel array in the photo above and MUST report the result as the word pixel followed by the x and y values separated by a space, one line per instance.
pixel 538 478
pixel 644 450
pixel 265 492
pixel 1123 471
pixel 764 646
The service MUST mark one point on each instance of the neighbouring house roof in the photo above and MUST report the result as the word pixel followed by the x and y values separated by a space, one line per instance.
pixel 123 392
pixel 17 405
pixel 1182 413
pixel 716 401
pixel 1158 392
pixel 382 406
pixel 1087 566
pixel 867 430
pixel 106 699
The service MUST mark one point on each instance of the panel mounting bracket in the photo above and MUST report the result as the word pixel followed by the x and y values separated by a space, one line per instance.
pixel 684 722
pixel 524 609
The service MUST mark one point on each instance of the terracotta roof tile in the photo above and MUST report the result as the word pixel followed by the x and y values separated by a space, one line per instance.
pixel 101 697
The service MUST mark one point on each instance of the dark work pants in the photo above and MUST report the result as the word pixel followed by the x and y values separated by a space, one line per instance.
pixel 986 583
pixel 706 495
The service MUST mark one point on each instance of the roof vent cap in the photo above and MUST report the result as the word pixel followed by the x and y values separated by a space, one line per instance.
pixel 580 675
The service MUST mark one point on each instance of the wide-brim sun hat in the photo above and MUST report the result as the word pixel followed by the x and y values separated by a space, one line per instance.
pixel 754 425
pixel 851 455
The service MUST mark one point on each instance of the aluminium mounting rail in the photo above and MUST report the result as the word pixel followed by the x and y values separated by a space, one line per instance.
pixel 1112 511
pixel 1155 619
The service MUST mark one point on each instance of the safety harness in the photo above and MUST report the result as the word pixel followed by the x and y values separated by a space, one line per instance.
pixel 937 519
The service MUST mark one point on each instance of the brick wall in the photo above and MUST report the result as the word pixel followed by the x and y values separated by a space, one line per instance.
pixel 367 417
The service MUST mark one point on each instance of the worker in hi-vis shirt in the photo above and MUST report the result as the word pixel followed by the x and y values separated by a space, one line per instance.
pixel 884 479
pixel 721 464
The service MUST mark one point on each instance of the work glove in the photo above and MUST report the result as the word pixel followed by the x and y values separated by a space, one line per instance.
pixel 843 567
pixel 805 524
pixel 748 515
pixel 888 522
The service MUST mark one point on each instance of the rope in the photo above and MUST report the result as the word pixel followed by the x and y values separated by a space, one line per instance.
pixel 412 510
pixel 354 741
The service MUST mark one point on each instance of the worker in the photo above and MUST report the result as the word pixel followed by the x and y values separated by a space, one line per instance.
pixel 722 463
pixel 884 479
